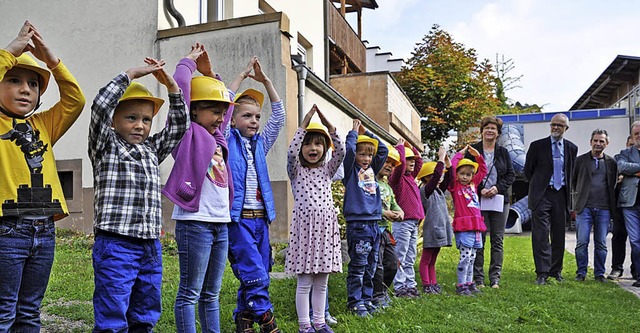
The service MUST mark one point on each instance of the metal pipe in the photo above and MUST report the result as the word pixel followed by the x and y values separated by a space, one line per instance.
pixel 168 5
pixel 301 70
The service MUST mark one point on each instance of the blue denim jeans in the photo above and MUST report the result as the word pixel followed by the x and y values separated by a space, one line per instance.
pixel 598 219
pixel 128 278
pixel 406 235
pixel 202 253
pixel 250 257
pixel 26 256
pixel 362 240
pixel 632 222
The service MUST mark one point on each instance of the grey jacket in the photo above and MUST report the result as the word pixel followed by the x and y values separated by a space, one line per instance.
pixel 628 165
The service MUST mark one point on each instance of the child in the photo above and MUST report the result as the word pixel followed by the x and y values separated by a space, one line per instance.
pixel 436 231
pixel 387 260
pixel 314 240
pixel 405 232
pixel 199 187
pixel 26 141
pixel 362 210
pixel 468 224
pixel 253 206
pixel 127 258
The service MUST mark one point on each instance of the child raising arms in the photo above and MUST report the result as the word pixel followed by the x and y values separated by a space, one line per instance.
pixel 468 224
pixel 314 239
pixel 436 228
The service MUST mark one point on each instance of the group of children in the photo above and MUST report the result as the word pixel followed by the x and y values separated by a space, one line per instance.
pixel 223 202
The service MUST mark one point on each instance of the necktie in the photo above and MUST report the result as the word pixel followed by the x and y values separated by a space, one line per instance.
pixel 557 166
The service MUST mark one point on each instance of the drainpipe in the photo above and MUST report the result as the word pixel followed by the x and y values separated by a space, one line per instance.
pixel 301 70
pixel 168 5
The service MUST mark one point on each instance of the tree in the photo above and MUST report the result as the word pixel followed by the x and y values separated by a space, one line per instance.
pixel 504 83
pixel 448 86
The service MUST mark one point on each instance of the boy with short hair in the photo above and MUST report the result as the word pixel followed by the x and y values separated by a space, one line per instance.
pixel 127 256
pixel 362 210
pixel 253 206
pixel 30 190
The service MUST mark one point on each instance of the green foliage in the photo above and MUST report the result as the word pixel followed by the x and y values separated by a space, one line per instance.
pixel 337 191
pixel 448 86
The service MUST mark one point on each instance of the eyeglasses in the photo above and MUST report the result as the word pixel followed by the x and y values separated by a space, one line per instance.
pixel 557 125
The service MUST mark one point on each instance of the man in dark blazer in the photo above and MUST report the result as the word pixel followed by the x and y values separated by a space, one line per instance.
pixel 549 197
pixel 594 201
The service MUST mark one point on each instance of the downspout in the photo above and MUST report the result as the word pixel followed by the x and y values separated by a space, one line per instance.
pixel 168 5
pixel 301 70
pixel 327 72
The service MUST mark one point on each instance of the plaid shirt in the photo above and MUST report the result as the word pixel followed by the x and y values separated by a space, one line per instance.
pixel 126 177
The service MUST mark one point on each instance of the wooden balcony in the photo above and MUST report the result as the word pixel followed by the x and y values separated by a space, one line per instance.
pixel 347 52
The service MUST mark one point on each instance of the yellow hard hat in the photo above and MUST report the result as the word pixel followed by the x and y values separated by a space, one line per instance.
pixel 394 155
pixel 366 138
pixel 137 90
pixel 408 153
pixel 258 96
pixel 204 88
pixel 25 61
pixel 317 127
pixel 427 169
pixel 466 161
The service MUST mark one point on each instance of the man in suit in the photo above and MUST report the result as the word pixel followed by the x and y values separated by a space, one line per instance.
pixel 593 182
pixel 629 167
pixel 548 168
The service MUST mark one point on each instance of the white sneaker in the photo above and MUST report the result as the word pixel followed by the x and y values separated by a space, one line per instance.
pixel 330 320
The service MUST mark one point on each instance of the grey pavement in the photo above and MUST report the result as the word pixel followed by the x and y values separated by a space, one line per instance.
pixel 624 282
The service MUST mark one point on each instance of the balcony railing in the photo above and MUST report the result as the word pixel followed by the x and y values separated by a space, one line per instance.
pixel 348 53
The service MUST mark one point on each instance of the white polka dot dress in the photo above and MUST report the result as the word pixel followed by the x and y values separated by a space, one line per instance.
pixel 314 236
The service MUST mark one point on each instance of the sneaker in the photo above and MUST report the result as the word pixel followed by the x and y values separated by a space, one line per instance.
pixel 463 290
pixel 473 289
pixel 244 322
pixel 479 284
pixel 601 279
pixel 413 292
pixel 360 310
pixel 615 274
pixel 309 329
pixel 636 284
pixel 495 284
pixel 372 308
pixel 436 289
pixel 268 323
pixel 323 329
pixel 381 303
pixel 580 277
pixel 426 289
pixel 330 320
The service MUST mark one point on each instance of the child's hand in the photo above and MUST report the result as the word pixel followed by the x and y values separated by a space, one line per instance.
pixel 247 71
pixel 356 125
pixel 441 154
pixel 258 74
pixel 196 51
pixel 308 116
pixel 138 72
pixel 325 121
pixel 473 151
pixel 41 51
pixel 400 216
pixel 464 150
pixel 203 64
pixel 447 161
pixel 20 44
pixel 361 129
pixel 400 142
pixel 161 75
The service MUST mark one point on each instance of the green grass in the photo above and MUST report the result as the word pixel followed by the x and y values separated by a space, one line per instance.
pixel 518 306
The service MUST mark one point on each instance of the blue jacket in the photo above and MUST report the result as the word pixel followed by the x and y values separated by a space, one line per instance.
pixel 238 166
pixel 358 204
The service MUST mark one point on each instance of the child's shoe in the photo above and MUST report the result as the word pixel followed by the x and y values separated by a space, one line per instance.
pixel 436 289
pixel 372 308
pixel 330 320
pixel 473 289
pixel 324 329
pixel 360 310
pixel 463 290
pixel 244 322
pixel 426 289
pixel 268 323
pixel 309 329
pixel 413 292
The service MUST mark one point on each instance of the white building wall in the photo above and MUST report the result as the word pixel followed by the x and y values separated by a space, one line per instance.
pixel 399 103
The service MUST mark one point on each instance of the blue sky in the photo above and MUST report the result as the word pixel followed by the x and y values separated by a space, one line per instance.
pixel 560 47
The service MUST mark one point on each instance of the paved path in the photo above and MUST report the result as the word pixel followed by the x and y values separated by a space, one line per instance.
pixel 624 282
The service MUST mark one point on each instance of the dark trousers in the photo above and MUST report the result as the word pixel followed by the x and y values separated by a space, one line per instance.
pixel 619 244
pixel 548 232
pixel 387 265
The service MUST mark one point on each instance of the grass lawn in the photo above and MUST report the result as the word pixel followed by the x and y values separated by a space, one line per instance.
pixel 518 306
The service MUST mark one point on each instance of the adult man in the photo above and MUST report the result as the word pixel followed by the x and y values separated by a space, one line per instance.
pixel 629 167
pixel 593 181
pixel 619 231
pixel 548 168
